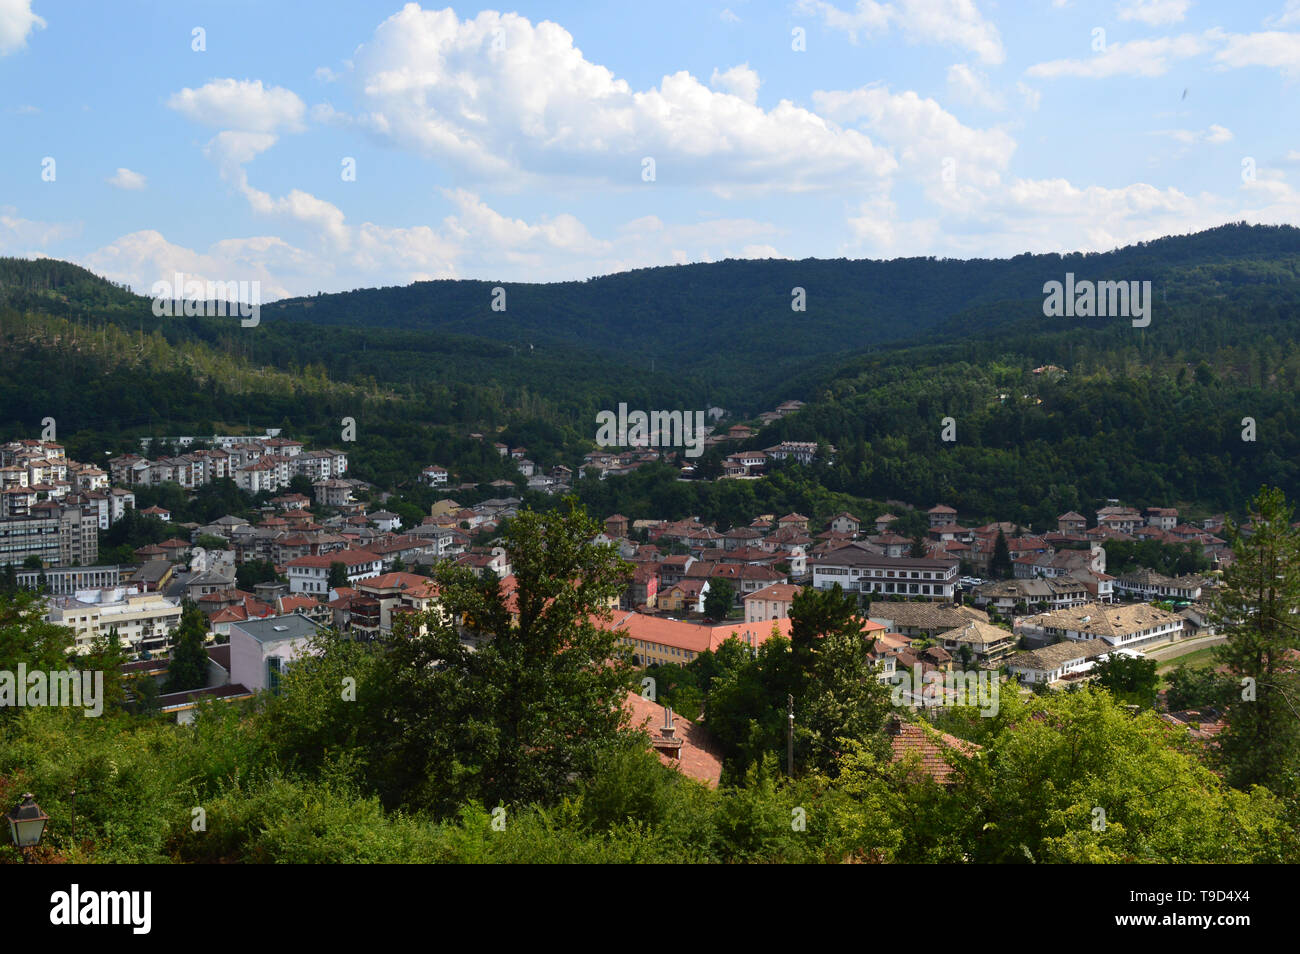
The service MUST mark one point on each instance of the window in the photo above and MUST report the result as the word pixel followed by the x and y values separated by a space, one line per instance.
pixel 274 668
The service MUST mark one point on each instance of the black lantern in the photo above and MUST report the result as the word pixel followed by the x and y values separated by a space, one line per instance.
pixel 27 823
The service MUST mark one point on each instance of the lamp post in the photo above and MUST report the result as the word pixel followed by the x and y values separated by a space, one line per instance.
pixel 26 824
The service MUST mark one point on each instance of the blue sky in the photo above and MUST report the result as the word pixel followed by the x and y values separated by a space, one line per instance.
pixel 510 143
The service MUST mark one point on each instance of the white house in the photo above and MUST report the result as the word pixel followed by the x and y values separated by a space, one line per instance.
pixel 310 574
pixel 385 520
pixel 1137 624
pixel 856 568
pixel 261 649
pixel 1051 663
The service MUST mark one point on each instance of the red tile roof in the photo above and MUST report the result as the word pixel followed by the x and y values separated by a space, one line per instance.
pixel 697 756
pixel 908 738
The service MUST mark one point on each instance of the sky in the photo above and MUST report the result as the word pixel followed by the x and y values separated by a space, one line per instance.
pixel 326 146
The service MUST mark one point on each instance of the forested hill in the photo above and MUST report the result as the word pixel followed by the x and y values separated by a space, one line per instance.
pixel 721 331
pixel 734 316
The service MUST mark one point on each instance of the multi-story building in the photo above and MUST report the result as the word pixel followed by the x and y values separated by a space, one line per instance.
pixel 310 574
pixel 1134 625
pixel 65 581
pixel 1150 585
pixel 857 569
pixel 56 534
pixel 144 621
pixel 771 602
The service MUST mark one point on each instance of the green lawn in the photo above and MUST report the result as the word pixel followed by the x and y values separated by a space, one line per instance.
pixel 1199 659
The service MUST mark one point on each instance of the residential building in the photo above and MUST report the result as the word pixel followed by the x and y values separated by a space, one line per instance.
pixel 1149 585
pixel 655 640
pixel 921 620
pixel 144 621
pixel 65 581
pixel 987 643
pixel 261 650
pixel 771 602
pixel 941 515
pixel 1072 523
pixel 857 569
pixel 1136 624
pixel 310 574
pixel 1056 662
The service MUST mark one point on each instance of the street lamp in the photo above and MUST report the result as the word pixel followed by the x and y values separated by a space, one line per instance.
pixel 27 823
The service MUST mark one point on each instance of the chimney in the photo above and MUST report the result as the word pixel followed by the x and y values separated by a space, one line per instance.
pixel 667 730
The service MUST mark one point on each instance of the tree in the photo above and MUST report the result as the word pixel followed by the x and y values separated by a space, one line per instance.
pixel 188 667
pixel 528 712
pixel 145 690
pixel 338 575
pixel 107 656
pixel 1129 679
pixel 249 574
pixel 1032 793
pixel 720 598
pixel 1000 567
pixel 1192 688
pixel 1255 607
pixel 26 638
pixel 838 695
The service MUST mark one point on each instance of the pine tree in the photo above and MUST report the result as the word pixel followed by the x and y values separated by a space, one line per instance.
pixel 1000 567
pixel 1256 608
pixel 188 668
pixel 107 656
pixel 837 694
pixel 720 598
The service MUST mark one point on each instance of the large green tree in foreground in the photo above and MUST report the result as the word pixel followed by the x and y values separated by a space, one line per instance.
pixel 508 698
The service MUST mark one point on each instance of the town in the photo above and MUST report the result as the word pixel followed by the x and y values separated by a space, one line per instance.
pixel 1036 608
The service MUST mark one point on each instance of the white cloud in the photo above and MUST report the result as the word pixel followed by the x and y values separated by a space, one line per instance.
pixel 17 23
pixel 1271 49
pixel 1154 12
pixel 1274 49
pixel 19 236
pixel 738 81
pixel 1031 96
pixel 866 17
pixel 324 74
pixel 1214 136
pixel 474 240
pixel 971 86
pixel 1135 58
pixel 126 179
pixel 1290 14
pixel 922 134
pixel 944 22
pixel 952 23
pixel 244 105
pixel 141 258
pixel 728 17
pixel 537 108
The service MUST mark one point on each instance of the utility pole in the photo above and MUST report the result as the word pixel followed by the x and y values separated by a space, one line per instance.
pixel 789 736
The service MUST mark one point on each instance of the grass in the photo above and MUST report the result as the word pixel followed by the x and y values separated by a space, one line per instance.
pixel 1199 659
